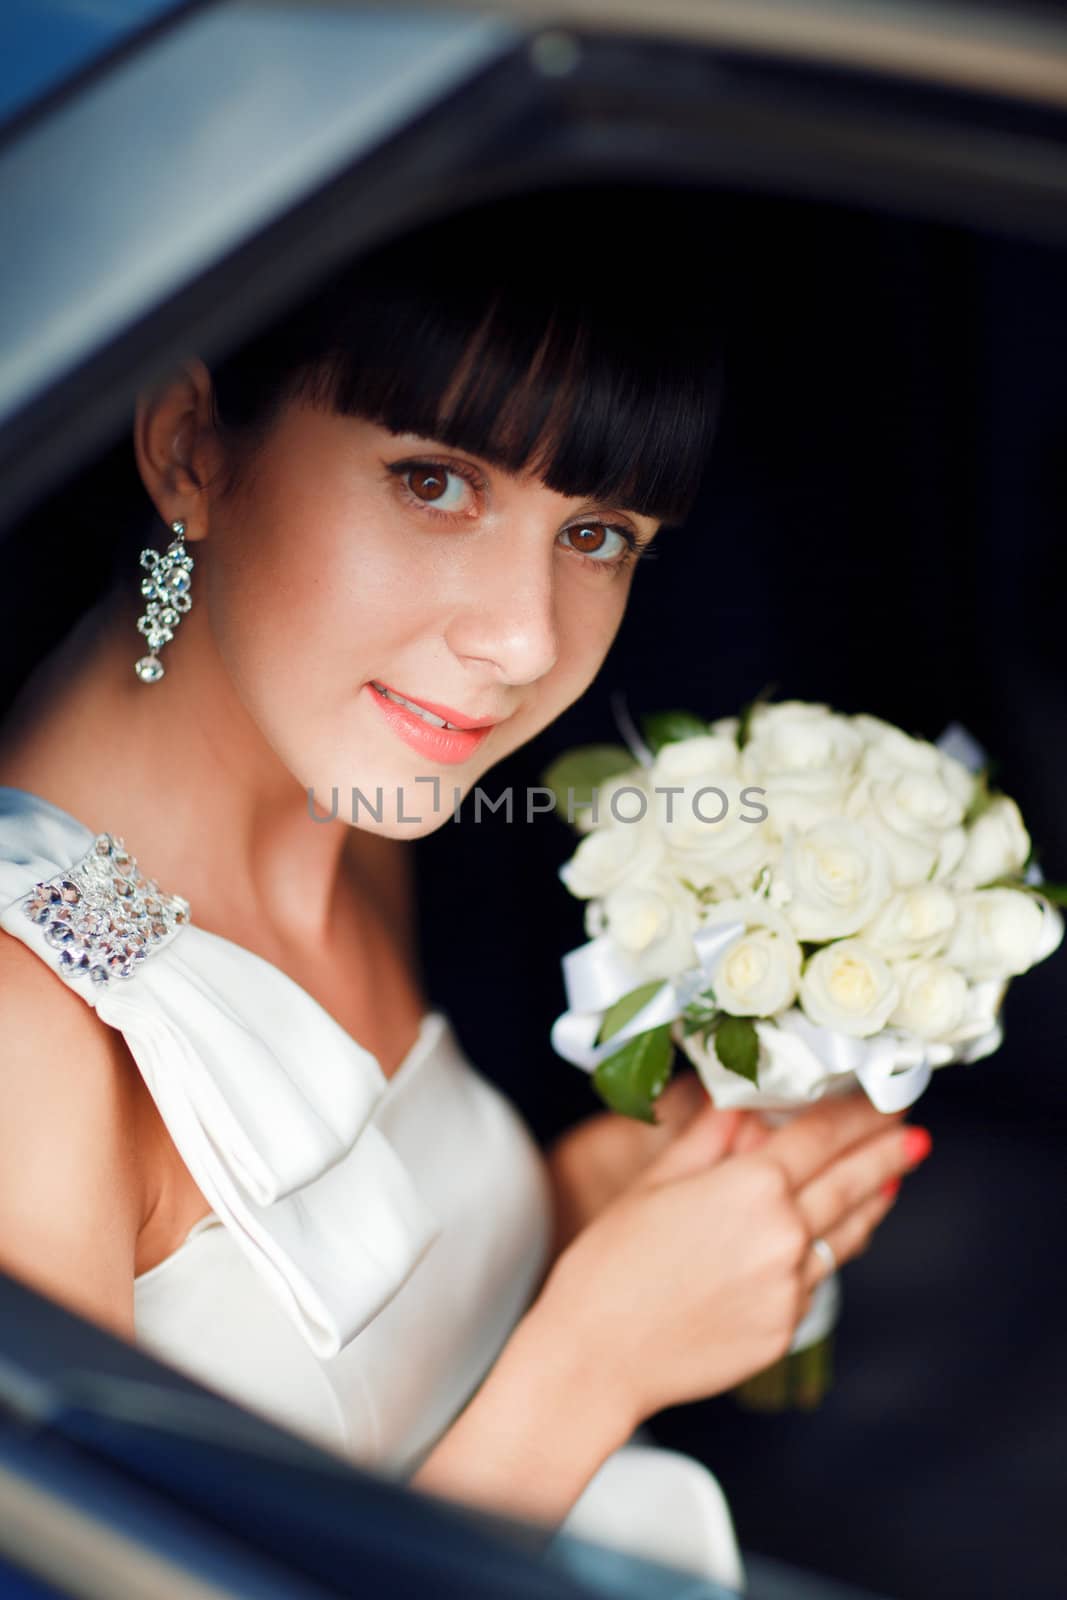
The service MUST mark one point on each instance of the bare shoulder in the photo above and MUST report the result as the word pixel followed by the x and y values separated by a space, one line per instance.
pixel 70 1190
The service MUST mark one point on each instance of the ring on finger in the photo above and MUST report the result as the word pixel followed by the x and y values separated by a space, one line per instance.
pixel 825 1252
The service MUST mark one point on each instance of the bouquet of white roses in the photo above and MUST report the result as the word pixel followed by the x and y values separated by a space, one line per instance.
pixel 798 900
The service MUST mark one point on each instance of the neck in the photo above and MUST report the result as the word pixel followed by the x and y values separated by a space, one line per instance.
pixel 179 770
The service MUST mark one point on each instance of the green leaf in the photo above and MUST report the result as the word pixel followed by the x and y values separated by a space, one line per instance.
pixel 631 1079
pixel 701 1010
pixel 627 1006
pixel 699 1022
pixel 744 730
pixel 737 1046
pixel 582 770
pixel 667 727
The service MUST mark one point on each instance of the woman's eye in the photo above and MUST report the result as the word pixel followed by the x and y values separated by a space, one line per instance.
pixel 607 547
pixel 437 486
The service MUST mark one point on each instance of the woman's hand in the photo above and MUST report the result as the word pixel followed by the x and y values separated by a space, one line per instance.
pixel 596 1160
pixel 695 1276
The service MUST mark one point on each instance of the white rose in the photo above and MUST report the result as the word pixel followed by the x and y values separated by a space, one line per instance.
pixel 609 854
pixel 933 998
pixel 713 836
pixel 723 873
pixel 769 712
pixel 614 802
pixel 979 1031
pixel 1002 933
pixel 758 974
pixel 997 845
pixel 806 758
pixel 837 879
pixel 916 818
pixel 636 916
pixel 789 1072
pixel 958 778
pixel 891 751
pixel 915 798
pixel 653 919
pixel 914 922
pixel 680 759
pixel 850 988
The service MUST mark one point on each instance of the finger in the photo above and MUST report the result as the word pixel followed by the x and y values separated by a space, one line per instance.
pixel 683 1097
pixel 849 1237
pixel 856 1175
pixel 705 1139
pixel 816 1137
pixel 752 1133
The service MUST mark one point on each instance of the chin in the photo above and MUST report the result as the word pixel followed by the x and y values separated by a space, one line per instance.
pixel 398 809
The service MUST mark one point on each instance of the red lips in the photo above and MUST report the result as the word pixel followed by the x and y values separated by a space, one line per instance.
pixel 457 719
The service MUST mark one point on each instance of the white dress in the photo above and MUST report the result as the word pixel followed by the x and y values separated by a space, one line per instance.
pixel 373 1241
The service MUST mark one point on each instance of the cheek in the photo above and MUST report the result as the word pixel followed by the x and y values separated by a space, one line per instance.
pixel 261 589
pixel 590 620
pixel 590 614
pixel 304 588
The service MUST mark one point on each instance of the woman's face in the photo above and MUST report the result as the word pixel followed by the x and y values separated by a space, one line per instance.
pixel 349 557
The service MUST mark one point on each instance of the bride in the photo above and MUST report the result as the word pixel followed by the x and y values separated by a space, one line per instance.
pixel 235 1130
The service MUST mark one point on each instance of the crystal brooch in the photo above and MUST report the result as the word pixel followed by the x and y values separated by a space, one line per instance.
pixel 102 916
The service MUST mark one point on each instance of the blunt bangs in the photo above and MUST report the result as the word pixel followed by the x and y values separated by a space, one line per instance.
pixel 523 333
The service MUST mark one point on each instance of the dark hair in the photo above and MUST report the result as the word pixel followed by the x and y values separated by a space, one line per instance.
pixel 572 333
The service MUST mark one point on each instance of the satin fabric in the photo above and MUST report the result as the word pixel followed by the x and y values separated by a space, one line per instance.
pixel 372 1241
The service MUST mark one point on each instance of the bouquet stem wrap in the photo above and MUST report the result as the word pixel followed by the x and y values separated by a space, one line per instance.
pixel 802 1377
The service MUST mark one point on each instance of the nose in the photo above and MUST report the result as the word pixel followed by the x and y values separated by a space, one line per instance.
pixel 508 613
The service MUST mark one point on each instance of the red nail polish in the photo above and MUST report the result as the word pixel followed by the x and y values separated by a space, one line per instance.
pixel 917 1145
pixel 890 1187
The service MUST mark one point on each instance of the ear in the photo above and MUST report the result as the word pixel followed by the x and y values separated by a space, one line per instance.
pixel 177 446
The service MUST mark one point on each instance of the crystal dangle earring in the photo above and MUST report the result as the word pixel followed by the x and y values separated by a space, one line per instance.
pixel 166 588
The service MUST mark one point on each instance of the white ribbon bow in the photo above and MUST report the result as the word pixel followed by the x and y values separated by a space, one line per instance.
pixel 893 1068
pixel 269 1101
pixel 597 974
